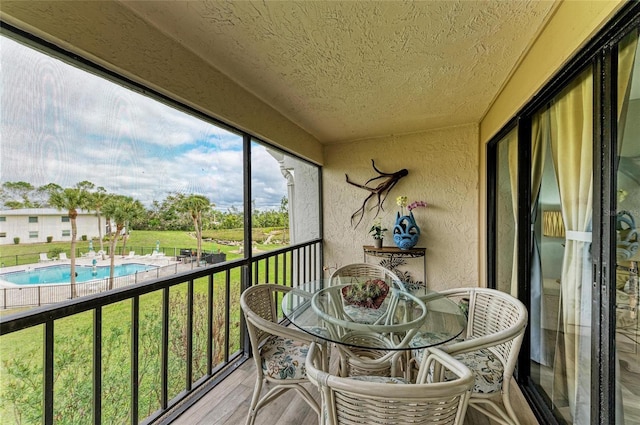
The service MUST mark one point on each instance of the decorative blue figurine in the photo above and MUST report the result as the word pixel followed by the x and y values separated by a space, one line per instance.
pixel 405 232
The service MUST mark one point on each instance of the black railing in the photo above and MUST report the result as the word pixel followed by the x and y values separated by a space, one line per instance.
pixel 139 354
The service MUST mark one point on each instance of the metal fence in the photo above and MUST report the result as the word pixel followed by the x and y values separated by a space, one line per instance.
pixel 33 257
pixel 37 295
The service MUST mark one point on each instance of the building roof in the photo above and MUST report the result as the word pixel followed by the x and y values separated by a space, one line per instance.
pixel 41 212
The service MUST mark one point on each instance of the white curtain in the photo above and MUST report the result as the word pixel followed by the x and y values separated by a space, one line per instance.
pixel 539 139
pixel 571 124
pixel 512 145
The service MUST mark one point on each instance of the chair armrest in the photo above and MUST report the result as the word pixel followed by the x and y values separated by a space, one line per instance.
pixel 434 364
pixel 486 341
pixel 272 328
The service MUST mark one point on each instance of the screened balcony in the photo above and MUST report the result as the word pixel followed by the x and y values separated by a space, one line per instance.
pixel 339 86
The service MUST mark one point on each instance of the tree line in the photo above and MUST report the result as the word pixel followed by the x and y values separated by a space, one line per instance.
pixel 123 213
pixel 163 214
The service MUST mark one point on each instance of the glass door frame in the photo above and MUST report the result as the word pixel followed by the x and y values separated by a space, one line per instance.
pixel 601 55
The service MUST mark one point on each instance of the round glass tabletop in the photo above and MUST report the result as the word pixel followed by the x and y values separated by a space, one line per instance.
pixel 401 321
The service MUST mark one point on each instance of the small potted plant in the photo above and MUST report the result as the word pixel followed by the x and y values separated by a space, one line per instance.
pixel 368 294
pixel 377 231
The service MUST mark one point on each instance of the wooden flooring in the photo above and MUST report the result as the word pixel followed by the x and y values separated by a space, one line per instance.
pixel 227 404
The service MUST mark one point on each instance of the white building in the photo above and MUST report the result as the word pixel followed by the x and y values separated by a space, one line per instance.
pixel 34 225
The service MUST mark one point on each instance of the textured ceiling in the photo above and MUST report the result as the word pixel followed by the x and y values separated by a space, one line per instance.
pixel 348 70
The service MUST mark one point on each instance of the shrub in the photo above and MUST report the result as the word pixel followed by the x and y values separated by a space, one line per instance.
pixel 83 237
pixel 49 239
pixel 16 240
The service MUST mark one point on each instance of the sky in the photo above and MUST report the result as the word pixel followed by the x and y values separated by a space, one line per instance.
pixel 63 125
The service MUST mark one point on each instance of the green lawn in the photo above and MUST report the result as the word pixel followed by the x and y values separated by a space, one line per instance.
pixel 141 240
pixel 21 353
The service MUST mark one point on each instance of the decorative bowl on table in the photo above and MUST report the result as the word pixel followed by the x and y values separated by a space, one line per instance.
pixel 370 294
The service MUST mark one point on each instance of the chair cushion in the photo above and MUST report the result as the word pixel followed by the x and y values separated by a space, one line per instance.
pixel 363 314
pixel 487 369
pixel 380 379
pixel 284 358
pixel 428 338
pixel 319 331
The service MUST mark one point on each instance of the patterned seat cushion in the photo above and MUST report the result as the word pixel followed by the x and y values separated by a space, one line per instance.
pixel 284 358
pixel 319 331
pixel 487 369
pixel 428 339
pixel 363 314
pixel 380 379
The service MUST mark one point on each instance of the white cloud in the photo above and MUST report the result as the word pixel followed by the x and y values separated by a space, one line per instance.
pixel 62 125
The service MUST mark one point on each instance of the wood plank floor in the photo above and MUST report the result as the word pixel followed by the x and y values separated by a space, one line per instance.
pixel 228 403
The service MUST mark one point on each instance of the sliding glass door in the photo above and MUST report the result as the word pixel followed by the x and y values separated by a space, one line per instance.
pixel 564 205
pixel 627 334
pixel 561 262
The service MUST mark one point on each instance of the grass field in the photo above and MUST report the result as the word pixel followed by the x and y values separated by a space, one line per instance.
pixel 21 352
pixel 143 241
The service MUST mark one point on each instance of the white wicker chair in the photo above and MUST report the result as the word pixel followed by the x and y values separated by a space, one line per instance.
pixel 490 347
pixel 350 272
pixel 279 351
pixel 361 361
pixel 356 339
pixel 383 400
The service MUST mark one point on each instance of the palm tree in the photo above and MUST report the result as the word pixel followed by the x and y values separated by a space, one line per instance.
pixel 98 200
pixel 119 209
pixel 71 199
pixel 195 205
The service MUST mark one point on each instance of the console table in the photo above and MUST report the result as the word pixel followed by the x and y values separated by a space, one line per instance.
pixel 395 252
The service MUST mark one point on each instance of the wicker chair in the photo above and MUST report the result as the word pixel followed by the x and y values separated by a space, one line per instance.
pixel 348 273
pixel 355 340
pixel 361 361
pixel 279 351
pixel 490 347
pixel 367 400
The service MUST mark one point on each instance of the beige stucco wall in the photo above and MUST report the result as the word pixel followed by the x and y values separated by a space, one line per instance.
pixel 111 35
pixel 442 167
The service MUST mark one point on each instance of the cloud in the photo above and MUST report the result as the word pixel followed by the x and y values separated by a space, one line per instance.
pixel 64 125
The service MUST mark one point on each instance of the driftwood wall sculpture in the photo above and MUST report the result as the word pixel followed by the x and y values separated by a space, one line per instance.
pixel 380 191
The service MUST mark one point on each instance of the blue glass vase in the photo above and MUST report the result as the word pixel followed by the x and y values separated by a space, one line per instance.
pixel 406 232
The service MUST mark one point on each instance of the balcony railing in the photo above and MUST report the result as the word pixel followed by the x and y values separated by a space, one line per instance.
pixel 139 353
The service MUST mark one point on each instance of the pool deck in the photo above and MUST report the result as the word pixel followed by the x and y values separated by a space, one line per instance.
pixel 18 296
pixel 87 261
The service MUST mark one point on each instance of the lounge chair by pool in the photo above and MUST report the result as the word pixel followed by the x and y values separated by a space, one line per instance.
pixel 44 257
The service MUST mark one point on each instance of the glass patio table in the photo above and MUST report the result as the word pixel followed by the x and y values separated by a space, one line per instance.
pixel 410 320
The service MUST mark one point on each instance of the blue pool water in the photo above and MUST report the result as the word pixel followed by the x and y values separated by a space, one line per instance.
pixel 62 273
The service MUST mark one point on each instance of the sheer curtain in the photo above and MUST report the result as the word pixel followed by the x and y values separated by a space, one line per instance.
pixel 539 140
pixel 571 124
pixel 512 144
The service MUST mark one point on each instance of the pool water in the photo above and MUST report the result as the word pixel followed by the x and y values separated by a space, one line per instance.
pixel 62 273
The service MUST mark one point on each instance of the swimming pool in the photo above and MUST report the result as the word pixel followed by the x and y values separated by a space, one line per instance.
pixel 62 273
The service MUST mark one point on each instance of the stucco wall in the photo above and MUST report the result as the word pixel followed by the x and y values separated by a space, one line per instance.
pixel 442 167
